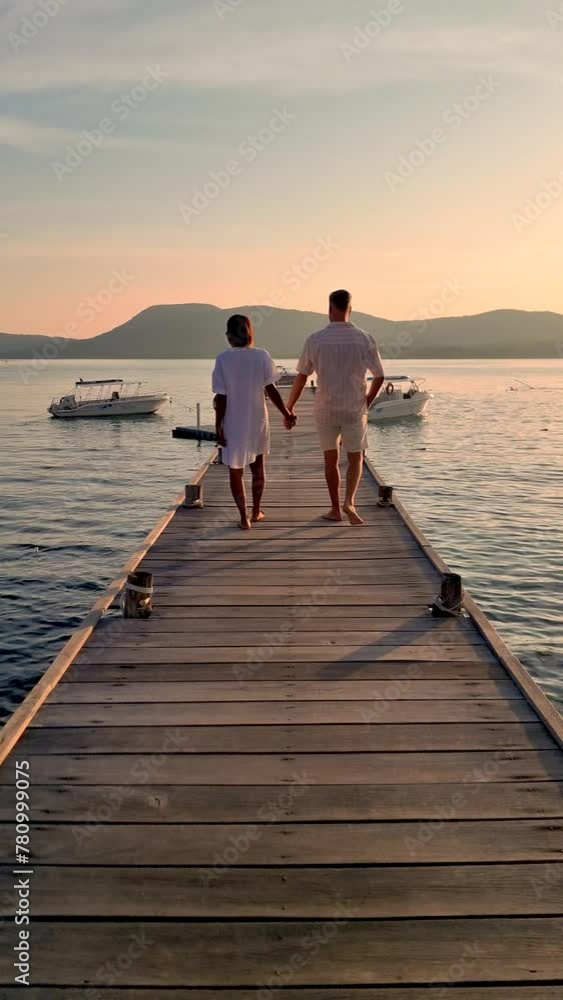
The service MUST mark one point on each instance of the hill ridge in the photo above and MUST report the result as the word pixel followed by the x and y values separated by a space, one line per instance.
pixel 196 330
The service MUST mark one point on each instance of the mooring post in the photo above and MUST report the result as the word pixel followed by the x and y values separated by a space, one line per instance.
pixel 194 496
pixel 450 600
pixel 219 459
pixel 385 496
pixel 136 601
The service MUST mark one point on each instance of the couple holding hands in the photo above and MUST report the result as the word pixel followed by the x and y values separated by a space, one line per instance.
pixel 341 355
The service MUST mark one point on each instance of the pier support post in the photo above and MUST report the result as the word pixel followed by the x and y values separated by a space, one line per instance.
pixel 194 496
pixel 136 601
pixel 450 600
pixel 385 496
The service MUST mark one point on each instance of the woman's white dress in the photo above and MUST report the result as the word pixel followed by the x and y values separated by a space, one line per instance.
pixel 242 374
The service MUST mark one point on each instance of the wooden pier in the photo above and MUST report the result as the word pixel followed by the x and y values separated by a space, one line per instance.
pixel 291 781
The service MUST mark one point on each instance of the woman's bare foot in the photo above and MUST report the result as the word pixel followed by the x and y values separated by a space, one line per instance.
pixel 333 515
pixel 353 516
pixel 260 516
pixel 245 524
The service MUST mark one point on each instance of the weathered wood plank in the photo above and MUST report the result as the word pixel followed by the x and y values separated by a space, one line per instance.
pixel 542 992
pixel 246 953
pixel 219 846
pixel 158 803
pixel 289 636
pixel 272 769
pixel 295 893
pixel 326 577
pixel 224 521
pixel 228 613
pixel 194 691
pixel 291 596
pixel 293 589
pixel 87 671
pixel 297 654
pixel 316 620
pixel 222 530
pixel 257 552
pixel 288 739
pixel 373 713
pixel 342 573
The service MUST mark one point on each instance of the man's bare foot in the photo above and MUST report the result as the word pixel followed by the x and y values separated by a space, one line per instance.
pixel 260 516
pixel 353 516
pixel 245 524
pixel 333 515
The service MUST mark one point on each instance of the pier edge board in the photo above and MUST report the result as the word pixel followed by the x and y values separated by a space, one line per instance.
pixel 545 709
pixel 16 725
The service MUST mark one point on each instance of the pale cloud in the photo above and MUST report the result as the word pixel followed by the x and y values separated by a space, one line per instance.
pixel 224 79
pixel 31 137
pixel 296 57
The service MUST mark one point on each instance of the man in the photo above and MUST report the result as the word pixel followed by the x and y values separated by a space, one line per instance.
pixel 341 354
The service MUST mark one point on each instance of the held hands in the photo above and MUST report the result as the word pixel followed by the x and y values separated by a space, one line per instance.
pixel 289 421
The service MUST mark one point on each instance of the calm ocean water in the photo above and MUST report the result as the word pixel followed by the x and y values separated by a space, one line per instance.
pixel 483 475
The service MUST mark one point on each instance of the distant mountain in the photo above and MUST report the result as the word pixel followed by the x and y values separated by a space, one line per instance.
pixel 197 331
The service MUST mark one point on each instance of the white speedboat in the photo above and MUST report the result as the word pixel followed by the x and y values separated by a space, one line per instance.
pixel 108 398
pixel 287 376
pixel 400 397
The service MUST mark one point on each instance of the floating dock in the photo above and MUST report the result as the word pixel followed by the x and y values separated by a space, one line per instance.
pixel 291 781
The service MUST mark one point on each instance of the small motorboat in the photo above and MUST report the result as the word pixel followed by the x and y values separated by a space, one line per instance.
pixel 287 376
pixel 108 398
pixel 400 397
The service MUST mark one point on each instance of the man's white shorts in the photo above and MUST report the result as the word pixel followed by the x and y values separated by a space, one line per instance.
pixel 352 433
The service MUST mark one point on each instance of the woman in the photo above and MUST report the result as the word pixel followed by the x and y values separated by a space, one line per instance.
pixel 242 373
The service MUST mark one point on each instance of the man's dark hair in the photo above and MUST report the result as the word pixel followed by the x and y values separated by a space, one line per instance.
pixel 341 300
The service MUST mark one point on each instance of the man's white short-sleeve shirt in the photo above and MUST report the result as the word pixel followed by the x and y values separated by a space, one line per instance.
pixel 341 355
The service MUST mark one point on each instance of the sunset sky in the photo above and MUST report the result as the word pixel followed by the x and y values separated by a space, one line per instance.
pixel 391 157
